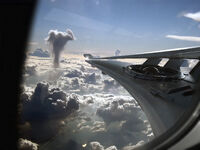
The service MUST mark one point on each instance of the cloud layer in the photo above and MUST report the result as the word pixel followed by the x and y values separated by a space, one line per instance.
pixel 87 107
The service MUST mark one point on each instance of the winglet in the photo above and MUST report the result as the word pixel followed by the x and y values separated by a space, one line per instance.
pixel 88 56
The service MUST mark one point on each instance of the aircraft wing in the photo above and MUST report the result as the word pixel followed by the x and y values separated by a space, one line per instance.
pixel 179 53
pixel 165 93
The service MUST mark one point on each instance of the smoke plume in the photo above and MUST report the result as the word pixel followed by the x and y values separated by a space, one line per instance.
pixel 57 41
pixel 117 52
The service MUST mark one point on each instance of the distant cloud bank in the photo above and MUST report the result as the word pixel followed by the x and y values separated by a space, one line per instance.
pixel 40 53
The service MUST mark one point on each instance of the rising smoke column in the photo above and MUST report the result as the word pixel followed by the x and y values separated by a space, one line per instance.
pixel 57 41
pixel 117 52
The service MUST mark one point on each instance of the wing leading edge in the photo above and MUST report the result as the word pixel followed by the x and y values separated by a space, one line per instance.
pixel 179 53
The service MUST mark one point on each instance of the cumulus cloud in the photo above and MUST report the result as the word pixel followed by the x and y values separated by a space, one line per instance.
pixel 43 106
pixel 47 103
pixel 73 73
pixel 194 16
pixel 132 147
pixel 111 148
pixel 88 99
pixel 91 78
pixel 118 130
pixel 40 53
pixel 185 38
pixel 102 115
pixel 119 110
pixel 24 144
pixel 30 70
pixel 124 117
pixel 90 81
pixel 57 41
pixel 97 146
pixel 110 84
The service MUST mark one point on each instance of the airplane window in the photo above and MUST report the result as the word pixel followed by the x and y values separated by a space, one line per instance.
pixel 71 102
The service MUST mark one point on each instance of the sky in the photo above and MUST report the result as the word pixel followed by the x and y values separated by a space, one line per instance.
pixel 132 26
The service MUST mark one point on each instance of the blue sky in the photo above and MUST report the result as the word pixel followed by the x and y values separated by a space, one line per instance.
pixel 132 26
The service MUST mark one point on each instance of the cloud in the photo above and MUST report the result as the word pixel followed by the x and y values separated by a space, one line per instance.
pixel 45 108
pixel 47 103
pixel 24 144
pixel 194 16
pixel 57 41
pixel 185 38
pixel 103 116
pixel 109 84
pixel 97 146
pixel 119 119
pixel 111 148
pixel 30 70
pixel 88 99
pixel 73 73
pixel 132 147
pixel 33 43
pixel 91 78
pixel 83 80
pixel 40 53
pixel 118 110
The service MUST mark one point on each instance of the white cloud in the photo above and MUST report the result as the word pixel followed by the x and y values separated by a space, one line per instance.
pixel 184 38
pixel 132 147
pixel 111 148
pixel 46 103
pixel 33 43
pixel 95 92
pixel 97 146
pixel 25 144
pixel 194 16
pixel 40 53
